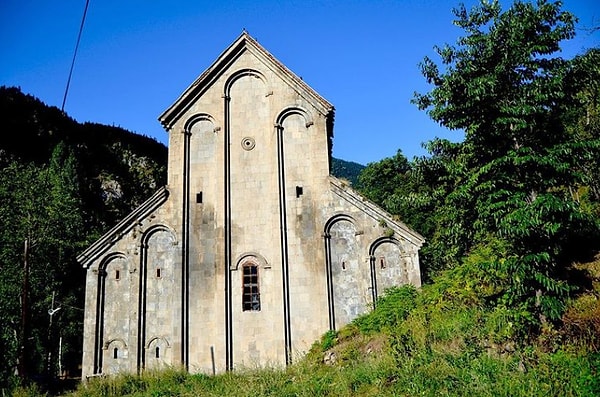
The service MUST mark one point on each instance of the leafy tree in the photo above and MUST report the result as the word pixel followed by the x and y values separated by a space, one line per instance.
pixel 582 118
pixel 505 87
pixel 40 226
pixel 379 181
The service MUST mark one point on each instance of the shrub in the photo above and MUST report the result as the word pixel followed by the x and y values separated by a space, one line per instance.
pixel 392 308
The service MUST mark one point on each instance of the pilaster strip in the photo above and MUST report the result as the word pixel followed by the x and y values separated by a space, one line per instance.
pixel 227 264
pixel 284 247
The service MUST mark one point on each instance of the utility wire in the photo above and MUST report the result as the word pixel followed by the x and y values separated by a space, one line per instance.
pixel 87 2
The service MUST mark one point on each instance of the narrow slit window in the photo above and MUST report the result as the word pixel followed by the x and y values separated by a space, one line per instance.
pixel 158 272
pixel 251 292
pixel 117 274
pixel 382 262
pixel 157 352
pixel 116 353
pixel 343 265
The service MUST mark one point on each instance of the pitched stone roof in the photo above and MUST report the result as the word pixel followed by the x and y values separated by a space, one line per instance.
pixel 104 243
pixel 344 191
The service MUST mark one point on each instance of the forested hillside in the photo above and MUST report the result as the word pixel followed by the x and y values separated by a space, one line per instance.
pixel 349 170
pixel 62 185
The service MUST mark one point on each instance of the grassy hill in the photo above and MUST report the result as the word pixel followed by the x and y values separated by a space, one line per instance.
pixel 436 341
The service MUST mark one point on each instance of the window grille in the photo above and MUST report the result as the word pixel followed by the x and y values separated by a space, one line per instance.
pixel 250 293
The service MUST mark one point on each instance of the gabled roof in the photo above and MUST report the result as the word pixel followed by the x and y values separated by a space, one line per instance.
pixel 104 243
pixel 344 191
pixel 242 44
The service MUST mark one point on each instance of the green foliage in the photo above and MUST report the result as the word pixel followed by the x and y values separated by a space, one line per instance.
pixel 392 308
pixel 514 175
pixel 379 181
pixel 40 234
pixel 328 340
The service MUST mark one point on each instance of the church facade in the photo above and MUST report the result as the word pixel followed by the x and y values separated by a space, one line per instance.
pixel 253 250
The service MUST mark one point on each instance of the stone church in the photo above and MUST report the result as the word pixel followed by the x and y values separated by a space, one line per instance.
pixel 253 250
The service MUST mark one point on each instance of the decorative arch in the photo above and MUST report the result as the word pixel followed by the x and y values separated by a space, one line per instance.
pixel 242 73
pixel 255 257
pixel 118 341
pixel 386 257
pixel 101 304
pixel 380 241
pixel 231 105
pixel 152 258
pixel 336 218
pixel 157 339
pixel 116 356
pixel 294 110
pixel 344 271
pixel 156 352
pixel 196 118
pixel 109 258
pixel 154 229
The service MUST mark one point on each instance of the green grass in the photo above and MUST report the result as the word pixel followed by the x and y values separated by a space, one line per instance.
pixel 436 341
pixel 427 374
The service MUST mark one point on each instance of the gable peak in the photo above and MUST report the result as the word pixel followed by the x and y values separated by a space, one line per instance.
pixel 244 42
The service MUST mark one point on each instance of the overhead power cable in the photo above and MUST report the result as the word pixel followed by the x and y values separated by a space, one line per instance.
pixel 87 3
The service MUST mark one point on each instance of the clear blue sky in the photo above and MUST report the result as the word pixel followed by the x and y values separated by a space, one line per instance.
pixel 137 56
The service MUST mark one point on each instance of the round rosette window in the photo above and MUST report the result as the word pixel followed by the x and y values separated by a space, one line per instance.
pixel 248 143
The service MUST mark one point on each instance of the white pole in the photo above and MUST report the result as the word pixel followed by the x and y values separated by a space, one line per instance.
pixel 59 357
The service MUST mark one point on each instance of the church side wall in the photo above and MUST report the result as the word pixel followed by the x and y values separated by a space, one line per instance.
pixel 117 316
pixel 365 256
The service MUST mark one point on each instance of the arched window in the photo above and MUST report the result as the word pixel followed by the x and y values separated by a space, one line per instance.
pixel 251 292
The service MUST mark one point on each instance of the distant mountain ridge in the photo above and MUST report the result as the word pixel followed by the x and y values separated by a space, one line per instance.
pixel 348 170
pixel 117 169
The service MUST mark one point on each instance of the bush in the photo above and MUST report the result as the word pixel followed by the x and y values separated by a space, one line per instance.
pixel 392 308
